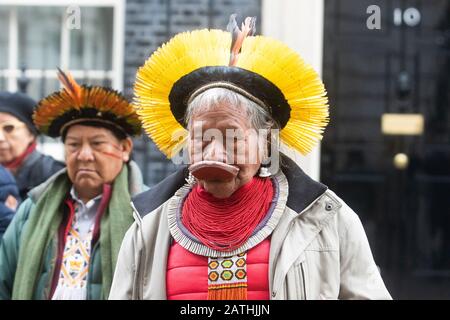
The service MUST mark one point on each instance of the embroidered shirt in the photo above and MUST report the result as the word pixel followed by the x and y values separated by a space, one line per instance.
pixel 75 263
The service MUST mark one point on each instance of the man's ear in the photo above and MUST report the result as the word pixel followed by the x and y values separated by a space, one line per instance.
pixel 127 146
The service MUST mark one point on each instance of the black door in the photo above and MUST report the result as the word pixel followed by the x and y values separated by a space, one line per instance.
pixel 398 184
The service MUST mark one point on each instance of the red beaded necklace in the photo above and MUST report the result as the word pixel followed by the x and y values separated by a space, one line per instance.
pixel 226 224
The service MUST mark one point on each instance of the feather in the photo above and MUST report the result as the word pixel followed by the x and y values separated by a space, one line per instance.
pixel 71 86
pixel 181 55
pixel 270 58
pixel 248 28
pixel 73 96
pixel 233 28
pixel 300 84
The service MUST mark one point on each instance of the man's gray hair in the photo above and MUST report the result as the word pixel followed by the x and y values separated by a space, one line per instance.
pixel 259 117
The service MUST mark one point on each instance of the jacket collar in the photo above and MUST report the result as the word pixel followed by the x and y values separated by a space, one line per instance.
pixel 302 189
pixel 35 193
pixel 150 200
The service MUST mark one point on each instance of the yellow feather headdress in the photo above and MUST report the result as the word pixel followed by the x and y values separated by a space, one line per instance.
pixel 76 104
pixel 298 100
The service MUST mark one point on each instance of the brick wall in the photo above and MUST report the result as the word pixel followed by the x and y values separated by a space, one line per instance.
pixel 149 23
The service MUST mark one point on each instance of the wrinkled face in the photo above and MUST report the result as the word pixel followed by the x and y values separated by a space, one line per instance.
pixel 15 137
pixel 94 156
pixel 223 133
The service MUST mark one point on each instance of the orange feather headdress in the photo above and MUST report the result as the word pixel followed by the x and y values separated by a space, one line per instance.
pixel 79 103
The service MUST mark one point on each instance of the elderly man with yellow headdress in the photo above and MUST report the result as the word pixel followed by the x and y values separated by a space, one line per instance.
pixel 64 240
pixel 233 224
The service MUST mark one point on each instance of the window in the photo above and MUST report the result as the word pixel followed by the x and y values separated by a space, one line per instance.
pixel 36 39
pixel 4 26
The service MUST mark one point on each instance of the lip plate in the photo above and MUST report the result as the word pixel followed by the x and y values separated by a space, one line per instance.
pixel 213 170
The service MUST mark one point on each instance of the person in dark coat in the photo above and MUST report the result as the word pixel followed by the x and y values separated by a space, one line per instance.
pixel 18 136
pixel 9 198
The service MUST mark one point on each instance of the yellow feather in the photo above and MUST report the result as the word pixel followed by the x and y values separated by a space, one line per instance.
pixel 183 54
pixel 268 57
pixel 300 84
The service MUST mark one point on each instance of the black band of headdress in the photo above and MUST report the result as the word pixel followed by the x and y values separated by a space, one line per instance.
pixel 232 87
pixel 99 121
pixel 265 93
pixel 78 116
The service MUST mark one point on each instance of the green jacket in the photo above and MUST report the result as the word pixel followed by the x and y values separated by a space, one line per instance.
pixel 11 242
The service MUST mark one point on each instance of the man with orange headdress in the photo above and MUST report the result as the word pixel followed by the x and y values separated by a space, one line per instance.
pixel 241 221
pixel 64 240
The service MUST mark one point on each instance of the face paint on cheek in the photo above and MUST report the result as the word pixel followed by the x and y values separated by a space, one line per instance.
pixel 112 155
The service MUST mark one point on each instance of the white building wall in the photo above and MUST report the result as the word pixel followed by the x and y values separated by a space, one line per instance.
pixel 298 23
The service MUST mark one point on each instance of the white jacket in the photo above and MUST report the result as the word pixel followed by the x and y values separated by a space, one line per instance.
pixel 319 249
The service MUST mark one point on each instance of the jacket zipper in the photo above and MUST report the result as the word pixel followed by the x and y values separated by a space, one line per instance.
pixel 302 268
pixel 139 284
